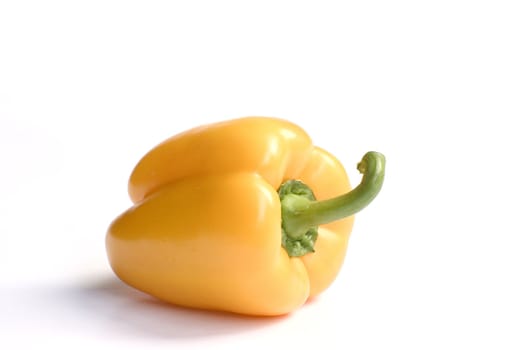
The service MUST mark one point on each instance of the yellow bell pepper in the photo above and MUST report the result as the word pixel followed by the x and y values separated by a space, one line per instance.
pixel 225 217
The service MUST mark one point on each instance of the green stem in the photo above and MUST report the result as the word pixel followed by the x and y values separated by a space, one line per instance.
pixel 300 214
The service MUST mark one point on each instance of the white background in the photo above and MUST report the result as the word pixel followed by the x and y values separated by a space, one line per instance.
pixel 436 262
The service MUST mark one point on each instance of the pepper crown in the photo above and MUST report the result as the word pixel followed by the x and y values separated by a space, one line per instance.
pixel 301 214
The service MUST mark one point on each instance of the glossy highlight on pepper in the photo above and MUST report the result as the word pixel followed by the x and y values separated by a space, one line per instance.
pixel 245 216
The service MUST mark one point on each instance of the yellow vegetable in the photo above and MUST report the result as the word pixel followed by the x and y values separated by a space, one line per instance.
pixel 245 216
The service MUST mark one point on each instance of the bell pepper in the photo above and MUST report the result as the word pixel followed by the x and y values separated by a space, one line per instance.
pixel 245 216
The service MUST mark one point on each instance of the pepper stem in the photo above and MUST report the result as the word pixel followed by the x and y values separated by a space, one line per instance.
pixel 301 214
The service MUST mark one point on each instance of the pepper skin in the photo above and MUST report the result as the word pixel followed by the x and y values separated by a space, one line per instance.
pixel 207 228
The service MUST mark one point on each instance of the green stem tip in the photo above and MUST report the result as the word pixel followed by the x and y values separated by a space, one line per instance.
pixel 302 214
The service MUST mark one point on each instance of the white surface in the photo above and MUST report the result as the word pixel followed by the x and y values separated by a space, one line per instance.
pixel 437 262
